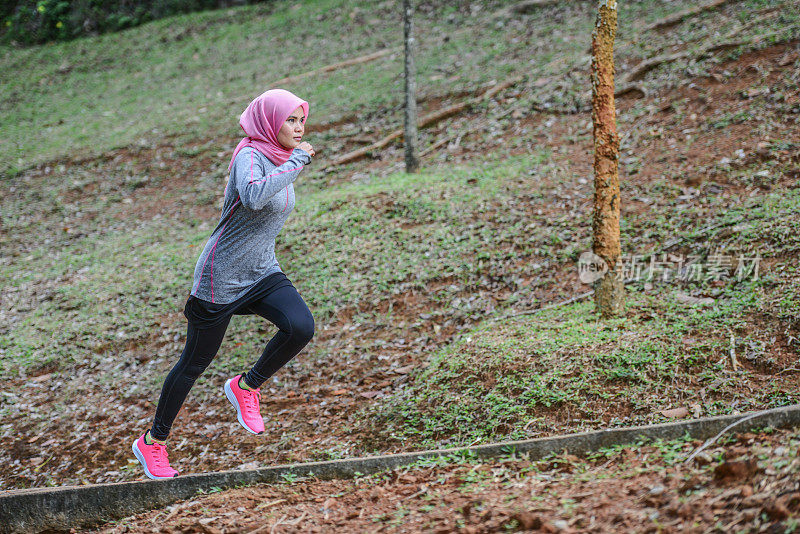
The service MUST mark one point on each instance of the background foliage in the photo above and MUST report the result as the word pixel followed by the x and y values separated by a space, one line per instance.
pixel 30 22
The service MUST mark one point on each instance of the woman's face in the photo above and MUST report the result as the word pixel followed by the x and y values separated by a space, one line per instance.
pixel 291 132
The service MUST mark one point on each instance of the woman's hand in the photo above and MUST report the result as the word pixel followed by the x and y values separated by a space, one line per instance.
pixel 307 147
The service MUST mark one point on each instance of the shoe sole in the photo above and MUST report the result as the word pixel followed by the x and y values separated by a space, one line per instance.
pixel 232 398
pixel 140 457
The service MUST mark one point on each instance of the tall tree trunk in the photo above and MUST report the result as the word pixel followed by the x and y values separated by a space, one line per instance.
pixel 609 290
pixel 412 158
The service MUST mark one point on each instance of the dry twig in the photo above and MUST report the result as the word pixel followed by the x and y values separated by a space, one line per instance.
pixel 734 362
pixel 576 298
pixel 722 432
pixel 279 522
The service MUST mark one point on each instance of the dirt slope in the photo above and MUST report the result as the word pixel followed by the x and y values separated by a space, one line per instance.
pixel 749 483
pixel 313 411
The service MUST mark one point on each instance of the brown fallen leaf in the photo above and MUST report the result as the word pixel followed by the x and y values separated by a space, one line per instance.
pixel 270 504
pixel 739 472
pixel 340 392
pixel 528 521
pixel 200 526
pixel 791 501
pixel 678 413
pixel 776 511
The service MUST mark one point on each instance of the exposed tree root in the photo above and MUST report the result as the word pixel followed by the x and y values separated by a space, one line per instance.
pixel 649 64
pixel 330 68
pixel 561 111
pixel 530 6
pixel 425 121
pixel 675 18
pixel 627 87
pixel 467 131
pixel 447 139
pixel 336 66
pixel 457 135
pixel 631 89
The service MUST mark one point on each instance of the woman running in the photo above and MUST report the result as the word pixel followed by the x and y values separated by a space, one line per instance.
pixel 238 274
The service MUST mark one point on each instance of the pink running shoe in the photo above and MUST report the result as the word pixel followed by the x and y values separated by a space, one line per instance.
pixel 247 406
pixel 153 458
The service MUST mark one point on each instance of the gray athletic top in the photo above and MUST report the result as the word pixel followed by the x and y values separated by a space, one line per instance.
pixel 241 251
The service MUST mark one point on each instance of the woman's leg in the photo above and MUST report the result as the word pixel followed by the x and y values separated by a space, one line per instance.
pixel 286 309
pixel 201 347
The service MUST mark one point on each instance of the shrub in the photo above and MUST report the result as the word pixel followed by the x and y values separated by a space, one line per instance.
pixel 28 22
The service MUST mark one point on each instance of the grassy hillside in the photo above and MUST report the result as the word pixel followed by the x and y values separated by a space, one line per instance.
pixel 190 76
pixel 410 277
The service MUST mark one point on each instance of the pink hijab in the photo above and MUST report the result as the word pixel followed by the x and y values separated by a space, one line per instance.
pixel 262 120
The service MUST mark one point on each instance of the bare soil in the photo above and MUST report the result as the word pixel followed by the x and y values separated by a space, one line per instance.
pixel 314 408
pixel 749 483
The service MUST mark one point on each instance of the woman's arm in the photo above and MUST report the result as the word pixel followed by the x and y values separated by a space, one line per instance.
pixel 257 184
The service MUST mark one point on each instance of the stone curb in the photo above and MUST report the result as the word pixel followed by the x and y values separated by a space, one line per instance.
pixel 62 508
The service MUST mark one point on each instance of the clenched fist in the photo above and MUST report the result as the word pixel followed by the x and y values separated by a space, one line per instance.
pixel 307 147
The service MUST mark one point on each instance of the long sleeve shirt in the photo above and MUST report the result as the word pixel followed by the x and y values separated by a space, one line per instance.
pixel 241 250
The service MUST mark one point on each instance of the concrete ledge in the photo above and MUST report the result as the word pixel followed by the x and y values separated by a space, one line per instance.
pixel 68 507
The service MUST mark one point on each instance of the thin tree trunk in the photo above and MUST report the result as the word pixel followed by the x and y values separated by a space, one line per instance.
pixel 609 290
pixel 411 138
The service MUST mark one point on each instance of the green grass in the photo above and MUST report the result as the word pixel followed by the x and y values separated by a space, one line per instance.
pixel 345 247
pixel 92 279
pixel 509 379
pixel 102 301
pixel 191 75
pixel 336 244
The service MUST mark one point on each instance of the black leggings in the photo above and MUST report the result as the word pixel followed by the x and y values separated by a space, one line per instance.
pixel 284 307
